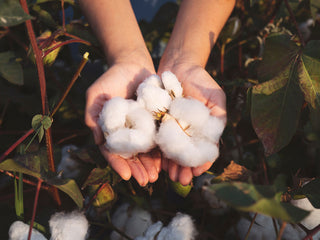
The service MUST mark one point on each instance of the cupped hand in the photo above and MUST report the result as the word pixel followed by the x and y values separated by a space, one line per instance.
pixel 196 83
pixel 121 79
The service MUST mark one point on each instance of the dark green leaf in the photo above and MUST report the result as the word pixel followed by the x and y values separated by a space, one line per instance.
pixel 40 133
pixel 314 7
pixel 46 122
pixel 99 175
pixel 36 121
pixel 275 111
pixel 11 13
pixel 13 166
pixel 35 161
pixel 10 69
pixel 71 188
pixel 45 16
pixel 257 198
pixel 72 2
pixel 231 30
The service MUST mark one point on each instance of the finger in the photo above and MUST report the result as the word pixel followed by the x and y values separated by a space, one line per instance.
pixel 164 163
pixel 197 171
pixel 185 175
pixel 148 160
pixel 119 164
pixel 173 170
pixel 138 171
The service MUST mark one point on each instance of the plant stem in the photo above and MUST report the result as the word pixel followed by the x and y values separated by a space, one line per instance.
pixel 63 16
pixel 35 203
pixel 13 146
pixel 283 226
pixel 38 57
pixel 73 80
pixel 312 232
pixel 294 22
pixel 251 224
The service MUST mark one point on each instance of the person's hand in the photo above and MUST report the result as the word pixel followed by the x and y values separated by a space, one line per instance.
pixel 196 83
pixel 121 79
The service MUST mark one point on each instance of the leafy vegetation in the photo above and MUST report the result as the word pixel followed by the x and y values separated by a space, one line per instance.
pixel 267 60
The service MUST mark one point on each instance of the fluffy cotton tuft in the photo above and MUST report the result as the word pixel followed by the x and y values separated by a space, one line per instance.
pixel 19 231
pixel 68 226
pixel 313 219
pixel 186 150
pixel 128 127
pixel 171 83
pixel 68 166
pixel 181 227
pixel 133 222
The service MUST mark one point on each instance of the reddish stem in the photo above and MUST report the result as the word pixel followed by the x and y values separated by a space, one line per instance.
pixel 63 16
pixel 64 43
pixel 35 203
pixel 13 146
pixel 98 190
pixel 38 57
pixel 312 232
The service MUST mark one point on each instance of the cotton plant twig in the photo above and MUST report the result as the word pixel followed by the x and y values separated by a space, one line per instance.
pixel 251 224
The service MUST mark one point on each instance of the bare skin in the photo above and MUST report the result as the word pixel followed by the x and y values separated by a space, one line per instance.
pixel 197 27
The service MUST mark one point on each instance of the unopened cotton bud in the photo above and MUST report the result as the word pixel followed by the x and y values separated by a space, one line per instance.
pixel 20 231
pixel 171 83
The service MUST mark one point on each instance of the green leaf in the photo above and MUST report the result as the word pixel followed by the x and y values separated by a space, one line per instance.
pixel 46 122
pixel 36 121
pixel 13 166
pixel 276 102
pixel 71 188
pixel 99 175
pixel 257 198
pixel 314 7
pixel 231 30
pixel 104 196
pixel 180 189
pixel 309 74
pixel 10 69
pixel 72 2
pixel 11 13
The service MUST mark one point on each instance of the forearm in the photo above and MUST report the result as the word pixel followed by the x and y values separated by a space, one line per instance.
pixel 115 25
pixel 196 30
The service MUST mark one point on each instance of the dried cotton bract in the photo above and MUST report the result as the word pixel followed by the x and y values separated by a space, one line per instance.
pixel 128 127
pixel 189 135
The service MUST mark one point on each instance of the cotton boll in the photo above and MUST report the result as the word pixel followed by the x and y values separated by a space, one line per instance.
pixel 153 80
pixel 68 226
pixel 119 219
pixel 183 149
pixel 213 129
pixel 171 83
pixel 138 222
pixel 153 230
pixel 190 110
pixel 181 227
pixel 68 166
pixel 313 219
pixel 153 98
pixel 113 114
pixel 20 231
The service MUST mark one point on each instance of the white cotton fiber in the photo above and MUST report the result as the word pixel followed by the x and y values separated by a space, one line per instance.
pixel 19 231
pixel 190 110
pixel 153 80
pixel 313 219
pixel 132 221
pixel 68 226
pixel 263 229
pixel 130 129
pixel 138 222
pixel 171 83
pixel 113 114
pixel 212 129
pixel 181 227
pixel 154 99
pixel 153 230
pixel 182 148
pixel 69 167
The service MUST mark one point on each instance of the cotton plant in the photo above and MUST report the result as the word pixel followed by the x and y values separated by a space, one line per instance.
pixel 63 226
pixel 186 132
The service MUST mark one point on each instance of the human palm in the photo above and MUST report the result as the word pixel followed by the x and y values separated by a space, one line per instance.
pixel 121 80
